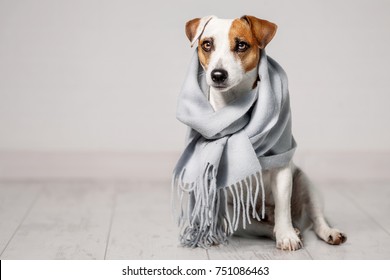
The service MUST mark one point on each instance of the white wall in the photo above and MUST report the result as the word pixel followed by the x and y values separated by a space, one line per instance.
pixel 105 75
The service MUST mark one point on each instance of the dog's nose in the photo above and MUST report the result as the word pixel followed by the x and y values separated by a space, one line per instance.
pixel 219 75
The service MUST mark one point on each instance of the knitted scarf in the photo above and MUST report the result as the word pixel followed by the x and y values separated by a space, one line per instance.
pixel 226 151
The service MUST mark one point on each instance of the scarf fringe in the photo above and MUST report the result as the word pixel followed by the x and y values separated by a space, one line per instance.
pixel 203 217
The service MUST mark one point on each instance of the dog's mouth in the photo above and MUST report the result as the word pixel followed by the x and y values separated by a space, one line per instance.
pixel 222 87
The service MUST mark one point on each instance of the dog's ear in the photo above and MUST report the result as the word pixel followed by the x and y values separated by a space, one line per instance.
pixel 195 28
pixel 263 30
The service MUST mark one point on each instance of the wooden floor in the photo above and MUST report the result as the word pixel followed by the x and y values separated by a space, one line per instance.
pixel 130 219
pixel 123 220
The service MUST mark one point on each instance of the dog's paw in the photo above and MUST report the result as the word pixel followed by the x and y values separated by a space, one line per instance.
pixel 288 240
pixel 335 237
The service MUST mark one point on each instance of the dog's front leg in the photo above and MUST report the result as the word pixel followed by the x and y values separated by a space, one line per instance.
pixel 286 236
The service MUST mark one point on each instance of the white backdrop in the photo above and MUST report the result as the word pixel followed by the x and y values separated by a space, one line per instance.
pixel 79 75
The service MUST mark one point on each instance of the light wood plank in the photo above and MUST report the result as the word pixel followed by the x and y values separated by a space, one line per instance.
pixel 73 220
pixel 143 226
pixel 68 221
pixel 16 200
pixel 373 199
pixel 366 239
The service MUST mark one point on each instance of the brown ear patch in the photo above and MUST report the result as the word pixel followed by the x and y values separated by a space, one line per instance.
pixel 241 31
pixel 191 28
pixel 262 29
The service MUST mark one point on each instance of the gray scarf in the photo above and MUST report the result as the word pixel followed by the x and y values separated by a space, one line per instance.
pixel 226 151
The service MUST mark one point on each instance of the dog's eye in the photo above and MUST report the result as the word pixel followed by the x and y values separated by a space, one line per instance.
pixel 207 46
pixel 242 46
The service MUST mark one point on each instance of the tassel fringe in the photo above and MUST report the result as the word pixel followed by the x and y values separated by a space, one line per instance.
pixel 202 212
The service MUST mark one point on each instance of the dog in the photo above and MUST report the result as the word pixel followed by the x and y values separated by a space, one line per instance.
pixel 229 52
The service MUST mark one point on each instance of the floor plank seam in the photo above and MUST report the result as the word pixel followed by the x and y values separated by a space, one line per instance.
pixel 307 251
pixel 23 219
pixel 111 222
pixel 353 201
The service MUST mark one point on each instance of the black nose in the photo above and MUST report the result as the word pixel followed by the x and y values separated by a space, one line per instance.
pixel 219 75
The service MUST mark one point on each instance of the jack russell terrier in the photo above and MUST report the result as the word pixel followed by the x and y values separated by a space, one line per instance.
pixel 229 51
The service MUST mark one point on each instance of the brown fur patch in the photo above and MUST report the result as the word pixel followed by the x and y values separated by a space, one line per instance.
pixel 240 30
pixel 191 27
pixel 263 30
pixel 204 57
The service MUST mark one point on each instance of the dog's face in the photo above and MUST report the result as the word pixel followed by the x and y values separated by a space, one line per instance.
pixel 228 49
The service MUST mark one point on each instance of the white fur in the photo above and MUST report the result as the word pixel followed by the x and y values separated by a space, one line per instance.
pixel 278 181
pixel 281 183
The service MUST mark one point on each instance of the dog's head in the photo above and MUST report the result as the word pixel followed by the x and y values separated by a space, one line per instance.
pixel 228 49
